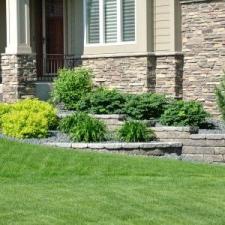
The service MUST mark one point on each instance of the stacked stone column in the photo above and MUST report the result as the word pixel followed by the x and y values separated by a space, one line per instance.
pixel 18 64
pixel 18 76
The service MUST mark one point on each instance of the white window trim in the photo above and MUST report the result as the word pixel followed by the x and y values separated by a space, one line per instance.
pixel 102 25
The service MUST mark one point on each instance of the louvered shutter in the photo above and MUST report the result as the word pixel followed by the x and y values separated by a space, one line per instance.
pixel 128 17
pixel 110 8
pixel 93 31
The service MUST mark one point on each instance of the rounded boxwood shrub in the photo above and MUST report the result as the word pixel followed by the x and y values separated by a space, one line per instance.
pixel 37 106
pixel 24 124
pixel 102 101
pixel 134 131
pixel 184 113
pixel 28 118
pixel 71 85
pixel 145 106
pixel 83 128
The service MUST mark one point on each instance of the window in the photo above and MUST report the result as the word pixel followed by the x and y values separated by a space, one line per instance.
pixel 93 21
pixel 109 21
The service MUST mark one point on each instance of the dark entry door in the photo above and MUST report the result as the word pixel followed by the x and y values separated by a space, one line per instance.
pixel 54 27
pixel 54 37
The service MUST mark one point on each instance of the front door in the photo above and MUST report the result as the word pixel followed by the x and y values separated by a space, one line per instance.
pixel 54 27
pixel 49 37
pixel 53 36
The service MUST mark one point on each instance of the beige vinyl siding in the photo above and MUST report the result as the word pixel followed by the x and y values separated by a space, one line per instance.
pixel 162 25
pixel 2 26
pixel 75 37
pixel 157 29
pixel 167 25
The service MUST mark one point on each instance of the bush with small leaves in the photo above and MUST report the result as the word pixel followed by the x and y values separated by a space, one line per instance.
pixel 28 118
pixel 37 106
pixel 184 113
pixel 134 131
pixel 4 109
pixel 145 106
pixel 25 124
pixel 102 101
pixel 71 85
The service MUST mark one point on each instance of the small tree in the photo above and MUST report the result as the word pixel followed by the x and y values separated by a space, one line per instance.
pixel 220 95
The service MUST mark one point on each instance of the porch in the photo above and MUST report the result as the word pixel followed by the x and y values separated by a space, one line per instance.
pixel 44 29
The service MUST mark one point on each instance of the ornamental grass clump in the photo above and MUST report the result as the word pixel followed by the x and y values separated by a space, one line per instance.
pixel 71 85
pixel 83 128
pixel 135 131
pixel 184 113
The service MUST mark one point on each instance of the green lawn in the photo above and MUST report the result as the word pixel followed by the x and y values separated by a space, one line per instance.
pixel 40 185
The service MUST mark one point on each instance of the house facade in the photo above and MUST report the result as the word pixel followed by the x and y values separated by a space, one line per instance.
pixel 165 46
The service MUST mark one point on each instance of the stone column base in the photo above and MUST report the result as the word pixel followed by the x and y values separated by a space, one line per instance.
pixel 18 76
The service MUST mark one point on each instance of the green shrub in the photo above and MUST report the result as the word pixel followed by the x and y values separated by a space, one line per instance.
pixel 134 131
pixel 103 101
pixel 24 124
pixel 28 118
pixel 83 128
pixel 69 122
pixel 71 85
pixel 220 94
pixel 145 106
pixel 37 106
pixel 184 113
pixel 4 109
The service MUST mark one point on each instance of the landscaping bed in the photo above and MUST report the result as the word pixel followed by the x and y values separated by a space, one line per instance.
pixel 82 116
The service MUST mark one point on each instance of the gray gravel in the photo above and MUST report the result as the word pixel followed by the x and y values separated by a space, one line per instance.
pixel 54 136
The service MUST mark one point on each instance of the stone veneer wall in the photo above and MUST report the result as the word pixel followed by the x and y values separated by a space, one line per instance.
pixel 18 76
pixel 129 74
pixel 203 25
pixel 169 75
pixel 136 74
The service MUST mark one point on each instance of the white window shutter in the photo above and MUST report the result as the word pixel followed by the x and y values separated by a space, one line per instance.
pixel 128 20
pixel 93 27
pixel 110 11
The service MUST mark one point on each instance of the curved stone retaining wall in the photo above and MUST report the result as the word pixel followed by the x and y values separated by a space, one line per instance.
pixel 196 147
pixel 148 149
pixel 209 148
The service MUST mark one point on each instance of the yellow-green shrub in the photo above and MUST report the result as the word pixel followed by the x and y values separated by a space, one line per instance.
pixel 28 118
pixel 25 124
pixel 37 106
pixel 4 108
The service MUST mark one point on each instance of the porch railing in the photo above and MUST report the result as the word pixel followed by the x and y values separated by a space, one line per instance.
pixel 48 65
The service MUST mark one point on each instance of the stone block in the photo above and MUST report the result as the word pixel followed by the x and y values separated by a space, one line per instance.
pixel 79 145
pixel 198 150
pixel 213 158
pixel 193 157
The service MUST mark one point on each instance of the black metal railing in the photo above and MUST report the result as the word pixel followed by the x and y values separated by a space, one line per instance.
pixel 49 65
